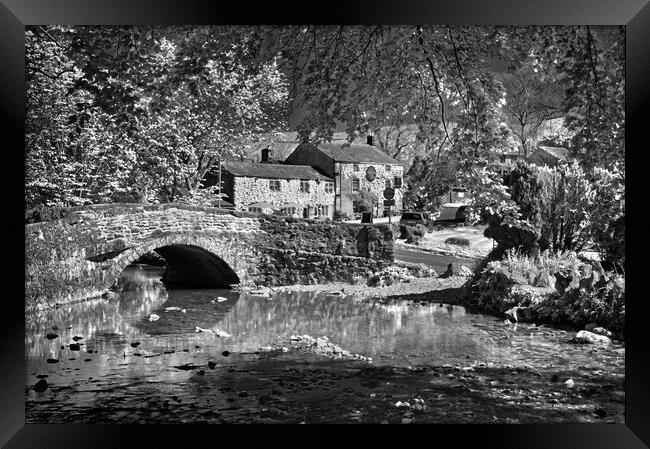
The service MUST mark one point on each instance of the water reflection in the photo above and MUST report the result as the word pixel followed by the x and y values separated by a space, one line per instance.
pixel 394 333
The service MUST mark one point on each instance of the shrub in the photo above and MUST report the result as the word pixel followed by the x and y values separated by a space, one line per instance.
pixel 405 232
pixel 563 208
pixel 340 216
pixel 43 213
pixel 461 241
pixel 579 307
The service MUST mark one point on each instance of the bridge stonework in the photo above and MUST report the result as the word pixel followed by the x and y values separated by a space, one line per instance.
pixel 83 254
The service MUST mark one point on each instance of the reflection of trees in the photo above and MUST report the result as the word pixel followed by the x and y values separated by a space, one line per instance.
pixel 101 322
pixel 360 326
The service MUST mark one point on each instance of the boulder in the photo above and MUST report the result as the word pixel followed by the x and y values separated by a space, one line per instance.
pixel 602 331
pixel 590 338
pixel 520 314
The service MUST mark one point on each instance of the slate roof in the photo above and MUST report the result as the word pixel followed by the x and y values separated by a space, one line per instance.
pixel 355 152
pixel 273 171
pixel 556 152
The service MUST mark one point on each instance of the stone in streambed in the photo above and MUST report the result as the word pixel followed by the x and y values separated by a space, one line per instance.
pixel 51 336
pixel 52 361
pixel 212 365
pixel 74 347
pixel 40 386
pixel 77 338
pixel 520 314
pixel 590 338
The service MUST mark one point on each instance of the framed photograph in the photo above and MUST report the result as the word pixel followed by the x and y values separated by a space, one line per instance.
pixel 376 214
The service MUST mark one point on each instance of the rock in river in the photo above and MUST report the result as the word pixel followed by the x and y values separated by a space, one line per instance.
pixel 590 337
pixel 40 386
pixel 51 336
pixel 520 314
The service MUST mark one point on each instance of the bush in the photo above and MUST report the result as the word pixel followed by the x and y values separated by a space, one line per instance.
pixel 43 213
pixel 340 216
pixel 578 307
pixel 562 208
pixel 461 241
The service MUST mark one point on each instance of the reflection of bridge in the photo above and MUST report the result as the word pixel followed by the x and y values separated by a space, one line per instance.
pixel 83 254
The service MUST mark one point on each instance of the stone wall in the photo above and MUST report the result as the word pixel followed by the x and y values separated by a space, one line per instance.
pixel 252 190
pixel 376 186
pixel 83 254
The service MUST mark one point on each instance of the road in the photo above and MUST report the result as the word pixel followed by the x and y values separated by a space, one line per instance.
pixel 436 261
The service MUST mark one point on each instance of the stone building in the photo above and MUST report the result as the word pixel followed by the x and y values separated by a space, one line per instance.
pixel 294 190
pixel 359 171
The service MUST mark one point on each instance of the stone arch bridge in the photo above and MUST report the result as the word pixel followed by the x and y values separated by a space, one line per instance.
pixel 83 254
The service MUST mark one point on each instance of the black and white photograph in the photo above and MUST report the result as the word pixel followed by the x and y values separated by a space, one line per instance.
pixel 306 224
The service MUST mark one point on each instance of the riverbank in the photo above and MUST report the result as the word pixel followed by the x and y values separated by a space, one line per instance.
pixel 427 287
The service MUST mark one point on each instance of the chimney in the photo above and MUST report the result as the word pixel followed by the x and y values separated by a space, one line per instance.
pixel 265 155
pixel 369 140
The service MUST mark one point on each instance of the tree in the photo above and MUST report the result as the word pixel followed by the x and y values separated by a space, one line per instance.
pixel 531 99
pixel 137 117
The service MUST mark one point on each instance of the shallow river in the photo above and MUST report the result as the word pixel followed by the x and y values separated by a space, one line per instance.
pixel 141 359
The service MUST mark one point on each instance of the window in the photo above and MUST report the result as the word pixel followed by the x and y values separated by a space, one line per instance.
pixel 329 187
pixel 398 182
pixel 388 168
pixel 321 210
pixel 355 167
pixel 355 184
pixel 304 186
pixel 388 185
pixel 274 185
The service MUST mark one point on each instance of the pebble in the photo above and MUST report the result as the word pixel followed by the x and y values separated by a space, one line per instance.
pixel 51 336
pixel 212 365
pixel 74 347
pixel 52 361
pixel 77 338
pixel 225 353
pixel 569 383
pixel 154 317
pixel 407 420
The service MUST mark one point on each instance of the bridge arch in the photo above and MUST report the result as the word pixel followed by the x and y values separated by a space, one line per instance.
pixel 191 260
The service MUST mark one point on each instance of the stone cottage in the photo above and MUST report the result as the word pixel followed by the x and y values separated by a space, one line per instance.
pixel 295 190
pixel 359 171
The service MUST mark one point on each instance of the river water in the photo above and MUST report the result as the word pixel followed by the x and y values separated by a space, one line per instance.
pixel 141 359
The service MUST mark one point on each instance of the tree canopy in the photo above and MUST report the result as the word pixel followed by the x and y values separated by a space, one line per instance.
pixel 117 113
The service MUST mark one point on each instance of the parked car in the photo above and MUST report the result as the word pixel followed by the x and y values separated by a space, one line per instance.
pixel 415 218
pixel 452 213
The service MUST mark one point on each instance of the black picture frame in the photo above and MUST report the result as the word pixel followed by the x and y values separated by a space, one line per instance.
pixel 15 14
